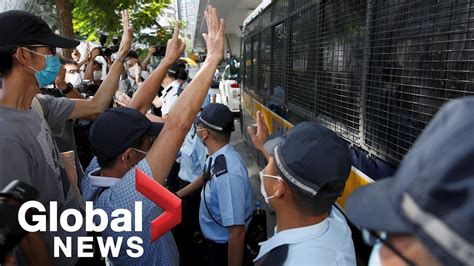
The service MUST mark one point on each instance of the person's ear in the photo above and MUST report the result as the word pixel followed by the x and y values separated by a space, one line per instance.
pixel 22 56
pixel 279 188
pixel 127 156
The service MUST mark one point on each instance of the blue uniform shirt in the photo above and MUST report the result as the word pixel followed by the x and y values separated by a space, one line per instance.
pixel 326 243
pixel 228 196
pixel 122 194
pixel 193 157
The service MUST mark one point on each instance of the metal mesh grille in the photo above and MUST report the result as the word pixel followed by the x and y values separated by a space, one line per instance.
pixel 264 62
pixel 421 55
pixel 374 71
pixel 279 8
pixel 340 58
pixel 301 67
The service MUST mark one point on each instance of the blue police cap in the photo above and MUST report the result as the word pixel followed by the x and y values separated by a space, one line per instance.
pixel 119 128
pixel 431 196
pixel 311 156
pixel 217 117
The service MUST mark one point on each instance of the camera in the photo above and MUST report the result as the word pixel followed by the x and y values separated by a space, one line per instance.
pixel 11 198
pixel 115 46
pixel 104 50
pixel 160 51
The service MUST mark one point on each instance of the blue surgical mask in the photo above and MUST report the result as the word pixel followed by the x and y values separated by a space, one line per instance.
pixel 374 259
pixel 51 69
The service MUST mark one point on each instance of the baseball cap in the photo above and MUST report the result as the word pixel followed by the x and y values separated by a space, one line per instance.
pixel 431 195
pixel 117 129
pixel 218 117
pixel 311 156
pixel 22 28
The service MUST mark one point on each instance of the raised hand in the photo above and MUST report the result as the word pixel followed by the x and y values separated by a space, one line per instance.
pixel 175 46
pixel 259 137
pixel 126 42
pixel 215 36
pixel 151 50
pixel 94 53
pixel 60 80
pixel 88 49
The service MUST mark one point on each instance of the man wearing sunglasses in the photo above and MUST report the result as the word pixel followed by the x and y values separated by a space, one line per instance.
pixel 306 172
pixel 424 214
pixel 28 62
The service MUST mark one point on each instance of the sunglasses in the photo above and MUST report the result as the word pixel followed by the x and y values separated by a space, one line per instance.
pixel 372 237
pixel 52 49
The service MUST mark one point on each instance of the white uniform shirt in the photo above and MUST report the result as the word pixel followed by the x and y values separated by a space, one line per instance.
pixel 326 243
pixel 170 94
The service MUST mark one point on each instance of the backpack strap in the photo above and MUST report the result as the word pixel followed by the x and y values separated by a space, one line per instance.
pixel 36 104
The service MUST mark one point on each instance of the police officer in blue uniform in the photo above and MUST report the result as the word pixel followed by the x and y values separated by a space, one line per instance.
pixel 226 197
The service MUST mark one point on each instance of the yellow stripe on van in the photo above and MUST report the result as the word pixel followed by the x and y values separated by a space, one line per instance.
pixel 275 123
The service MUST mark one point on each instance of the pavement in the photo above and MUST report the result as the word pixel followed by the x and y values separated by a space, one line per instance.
pixel 248 154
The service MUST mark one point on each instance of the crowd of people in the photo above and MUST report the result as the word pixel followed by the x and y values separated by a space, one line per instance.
pixel 59 116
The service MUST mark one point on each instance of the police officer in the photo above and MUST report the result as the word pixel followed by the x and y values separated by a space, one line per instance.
pixel 226 198
pixel 306 172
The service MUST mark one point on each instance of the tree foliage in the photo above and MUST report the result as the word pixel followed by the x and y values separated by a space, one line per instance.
pixel 91 17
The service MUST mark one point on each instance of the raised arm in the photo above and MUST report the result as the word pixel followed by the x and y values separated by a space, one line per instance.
pixel 147 59
pixel 107 89
pixel 86 57
pixel 258 137
pixel 88 73
pixel 145 95
pixel 163 152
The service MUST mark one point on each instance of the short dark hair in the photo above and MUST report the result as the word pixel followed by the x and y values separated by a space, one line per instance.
pixel 320 204
pixel 6 63
pixel 223 137
pixel 181 72
pixel 67 61
pixel 107 163
pixel 132 54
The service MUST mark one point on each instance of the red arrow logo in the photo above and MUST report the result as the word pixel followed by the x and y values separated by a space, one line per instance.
pixel 170 204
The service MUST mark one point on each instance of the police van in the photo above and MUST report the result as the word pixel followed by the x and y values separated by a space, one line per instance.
pixel 374 71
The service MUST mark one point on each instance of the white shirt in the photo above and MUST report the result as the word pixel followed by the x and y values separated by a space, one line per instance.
pixel 170 94
pixel 326 243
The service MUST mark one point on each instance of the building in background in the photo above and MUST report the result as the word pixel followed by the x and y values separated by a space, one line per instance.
pixel 233 11
pixel 167 16
pixel 187 13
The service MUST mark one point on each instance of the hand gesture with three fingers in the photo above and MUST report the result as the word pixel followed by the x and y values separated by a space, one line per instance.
pixel 126 42
pixel 214 38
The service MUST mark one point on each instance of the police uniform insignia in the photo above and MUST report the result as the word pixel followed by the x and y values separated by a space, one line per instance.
pixel 220 165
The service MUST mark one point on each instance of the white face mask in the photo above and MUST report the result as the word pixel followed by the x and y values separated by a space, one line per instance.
pixel 75 79
pixel 374 259
pixel 98 75
pixel 133 71
pixel 262 186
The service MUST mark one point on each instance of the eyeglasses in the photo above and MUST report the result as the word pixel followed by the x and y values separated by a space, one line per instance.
pixel 52 49
pixel 371 238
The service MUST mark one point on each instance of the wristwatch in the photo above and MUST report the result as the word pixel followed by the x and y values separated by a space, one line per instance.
pixel 68 89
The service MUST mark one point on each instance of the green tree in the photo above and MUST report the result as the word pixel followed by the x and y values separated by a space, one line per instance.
pixel 91 17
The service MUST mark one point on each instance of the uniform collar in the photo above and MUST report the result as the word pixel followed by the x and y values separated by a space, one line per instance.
pixel 293 236
pixel 220 151
pixel 172 85
pixel 102 181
